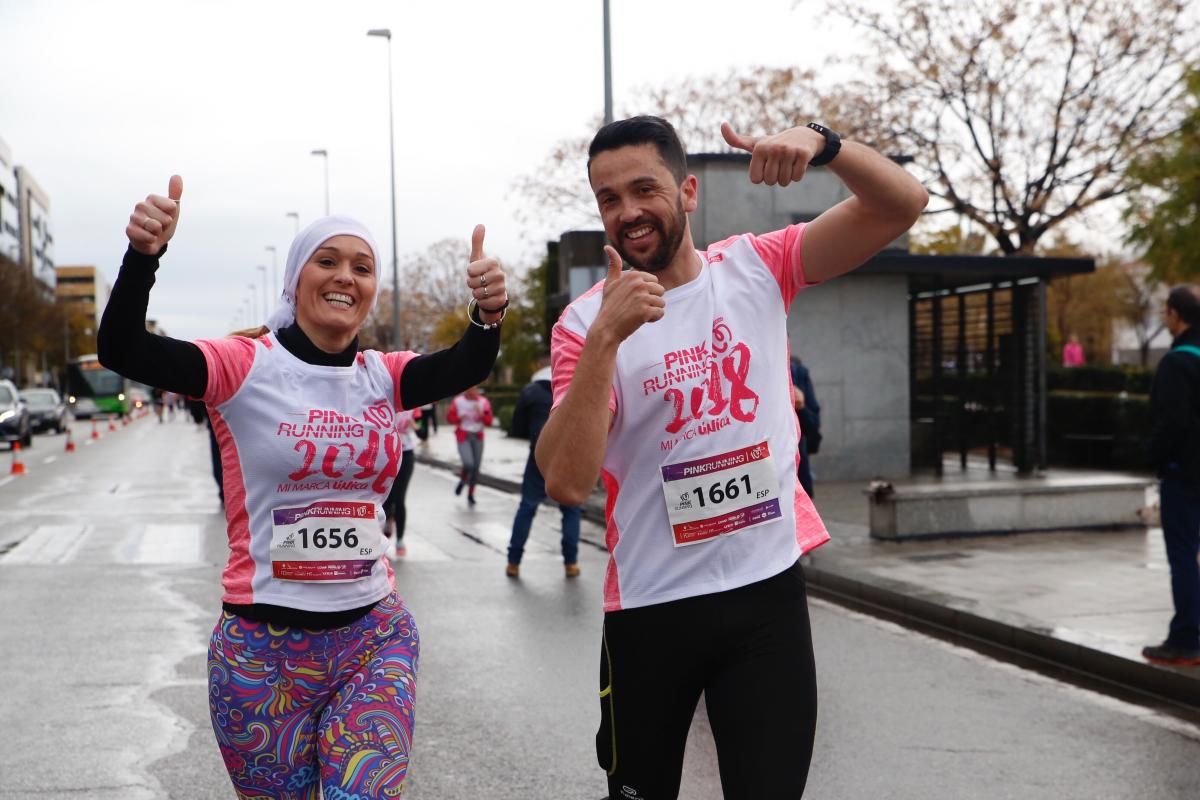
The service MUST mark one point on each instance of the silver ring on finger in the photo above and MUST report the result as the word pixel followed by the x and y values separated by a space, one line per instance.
pixel 483 280
pixel 485 292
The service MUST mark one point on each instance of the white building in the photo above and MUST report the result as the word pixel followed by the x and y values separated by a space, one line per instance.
pixel 10 217
pixel 37 240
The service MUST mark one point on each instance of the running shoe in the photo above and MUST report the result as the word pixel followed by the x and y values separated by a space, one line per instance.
pixel 571 570
pixel 401 551
pixel 512 570
pixel 471 498
pixel 458 489
pixel 1167 653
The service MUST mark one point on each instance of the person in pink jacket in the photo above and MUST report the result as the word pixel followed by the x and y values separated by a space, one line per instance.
pixel 470 412
pixel 1072 355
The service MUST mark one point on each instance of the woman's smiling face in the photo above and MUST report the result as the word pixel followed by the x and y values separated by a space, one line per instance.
pixel 336 288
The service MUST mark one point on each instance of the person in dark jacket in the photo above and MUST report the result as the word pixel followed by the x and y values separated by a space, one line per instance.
pixel 533 408
pixel 804 398
pixel 1175 453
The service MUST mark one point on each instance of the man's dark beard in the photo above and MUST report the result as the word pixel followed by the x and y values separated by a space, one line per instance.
pixel 668 245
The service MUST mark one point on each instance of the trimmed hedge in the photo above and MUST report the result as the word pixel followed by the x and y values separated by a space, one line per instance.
pixel 1133 380
pixel 504 415
pixel 1102 430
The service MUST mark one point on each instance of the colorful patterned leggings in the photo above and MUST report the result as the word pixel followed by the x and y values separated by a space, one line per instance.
pixel 301 714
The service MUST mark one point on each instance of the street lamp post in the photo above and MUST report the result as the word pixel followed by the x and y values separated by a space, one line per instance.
pixel 296 219
pixel 387 34
pixel 274 275
pixel 608 104
pixel 324 154
pixel 266 311
pixel 253 303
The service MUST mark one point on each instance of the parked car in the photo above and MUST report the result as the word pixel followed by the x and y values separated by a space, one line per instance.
pixel 14 416
pixel 47 411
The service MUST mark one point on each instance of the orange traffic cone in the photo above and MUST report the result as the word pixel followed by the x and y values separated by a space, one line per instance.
pixel 70 448
pixel 18 468
pixel 95 430
pixel 112 426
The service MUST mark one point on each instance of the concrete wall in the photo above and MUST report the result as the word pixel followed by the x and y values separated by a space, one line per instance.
pixel 730 204
pixel 852 334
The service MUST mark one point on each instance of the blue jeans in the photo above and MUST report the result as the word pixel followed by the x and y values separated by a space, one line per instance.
pixel 533 492
pixel 1180 504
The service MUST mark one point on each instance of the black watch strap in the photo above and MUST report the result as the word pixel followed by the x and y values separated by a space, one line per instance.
pixel 833 146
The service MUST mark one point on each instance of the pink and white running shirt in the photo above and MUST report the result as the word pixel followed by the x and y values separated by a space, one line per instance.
pixel 470 415
pixel 294 434
pixel 703 423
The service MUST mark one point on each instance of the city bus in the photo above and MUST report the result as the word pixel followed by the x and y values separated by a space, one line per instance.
pixel 94 389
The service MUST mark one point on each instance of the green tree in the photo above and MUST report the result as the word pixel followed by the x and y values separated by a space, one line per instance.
pixel 1164 217
pixel 523 335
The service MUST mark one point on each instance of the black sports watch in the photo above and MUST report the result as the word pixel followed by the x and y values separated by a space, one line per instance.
pixel 833 146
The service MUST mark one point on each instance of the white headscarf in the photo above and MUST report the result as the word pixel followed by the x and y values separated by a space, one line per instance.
pixel 303 246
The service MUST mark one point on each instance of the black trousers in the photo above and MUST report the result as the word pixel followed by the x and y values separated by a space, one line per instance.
pixel 749 651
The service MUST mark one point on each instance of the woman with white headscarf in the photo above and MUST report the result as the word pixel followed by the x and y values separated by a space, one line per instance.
pixel 312 664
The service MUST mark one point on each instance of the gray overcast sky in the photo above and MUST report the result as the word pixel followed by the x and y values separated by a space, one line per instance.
pixel 103 100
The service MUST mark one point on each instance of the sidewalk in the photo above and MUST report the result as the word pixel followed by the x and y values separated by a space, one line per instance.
pixel 1086 602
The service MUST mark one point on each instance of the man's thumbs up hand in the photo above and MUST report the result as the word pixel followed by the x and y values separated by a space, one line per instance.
pixel 779 159
pixel 631 299
pixel 153 221
pixel 736 140
pixel 614 264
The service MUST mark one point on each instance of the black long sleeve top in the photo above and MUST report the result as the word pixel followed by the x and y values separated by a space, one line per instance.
pixel 125 346
pixel 1175 410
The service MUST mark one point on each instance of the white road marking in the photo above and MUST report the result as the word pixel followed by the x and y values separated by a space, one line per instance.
pixel 49 544
pixel 49 459
pixel 165 544
pixel 421 549
pixel 6 480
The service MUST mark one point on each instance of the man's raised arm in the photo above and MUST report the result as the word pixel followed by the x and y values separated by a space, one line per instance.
pixel 570 450
pixel 886 202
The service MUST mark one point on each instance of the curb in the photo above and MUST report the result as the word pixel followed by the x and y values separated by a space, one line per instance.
pixel 845 586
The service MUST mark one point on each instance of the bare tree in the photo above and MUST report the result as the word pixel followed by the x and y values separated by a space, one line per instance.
pixel 1020 114
pixel 432 286
pixel 556 196
pixel 1141 296
pixel 31 324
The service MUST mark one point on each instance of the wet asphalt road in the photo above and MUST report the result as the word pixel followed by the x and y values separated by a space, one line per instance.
pixel 109 584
